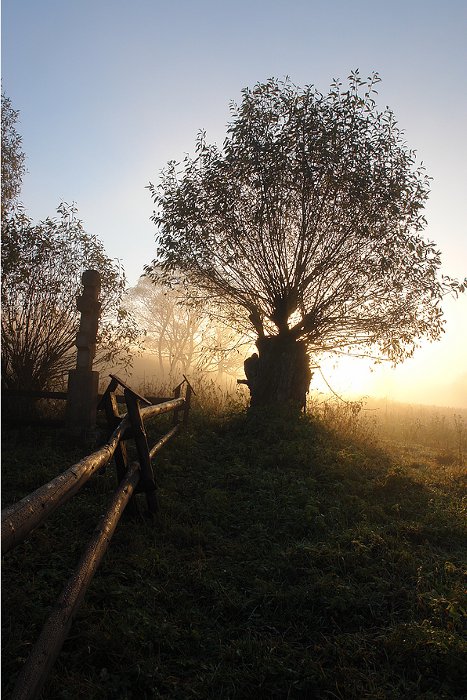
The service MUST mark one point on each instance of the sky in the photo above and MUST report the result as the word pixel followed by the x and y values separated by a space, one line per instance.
pixel 108 92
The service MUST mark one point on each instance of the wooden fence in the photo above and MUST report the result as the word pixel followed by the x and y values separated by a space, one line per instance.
pixel 20 519
pixel 29 395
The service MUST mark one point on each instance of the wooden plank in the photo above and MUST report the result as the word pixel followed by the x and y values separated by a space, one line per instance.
pixel 148 483
pixel 149 412
pixel 164 440
pixel 188 384
pixel 48 646
pixel 186 410
pixel 21 518
pixel 177 392
pixel 152 399
pixel 121 454
pixel 143 399
pixel 102 398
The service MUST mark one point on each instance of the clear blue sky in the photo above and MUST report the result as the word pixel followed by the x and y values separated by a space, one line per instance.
pixel 109 91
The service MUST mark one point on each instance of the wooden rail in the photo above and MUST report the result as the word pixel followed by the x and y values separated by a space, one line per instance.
pixel 20 519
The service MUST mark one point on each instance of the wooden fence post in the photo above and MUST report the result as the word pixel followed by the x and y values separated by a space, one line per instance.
pixel 188 394
pixel 83 382
pixel 147 481
pixel 177 392
pixel 109 403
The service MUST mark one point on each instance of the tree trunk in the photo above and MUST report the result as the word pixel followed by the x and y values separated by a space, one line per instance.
pixel 280 374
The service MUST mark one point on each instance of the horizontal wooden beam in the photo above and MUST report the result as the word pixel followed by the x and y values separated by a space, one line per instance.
pixel 163 441
pixel 45 651
pixel 20 519
pixel 148 412
pixel 153 399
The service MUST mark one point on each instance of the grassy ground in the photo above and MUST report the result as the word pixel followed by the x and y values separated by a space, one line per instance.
pixel 288 561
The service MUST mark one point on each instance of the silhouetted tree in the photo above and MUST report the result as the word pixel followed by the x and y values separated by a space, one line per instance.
pixel 12 156
pixel 183 338
pixel 307 226
pixel 42 266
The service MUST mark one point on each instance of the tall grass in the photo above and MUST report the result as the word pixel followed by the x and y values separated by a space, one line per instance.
pixel 442 430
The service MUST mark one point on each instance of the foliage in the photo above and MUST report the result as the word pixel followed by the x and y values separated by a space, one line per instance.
pixel 307 223
pixel 42 266
pixel 184 338
pixel 13 157
pixel 287 561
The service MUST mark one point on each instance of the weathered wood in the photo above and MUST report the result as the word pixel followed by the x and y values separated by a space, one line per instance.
pixel 102 398
pixel 20 519
pixel 186 410
pixel 188 384
pixel 121 455
pixel 151 411
pixel 143 399
pixel 177 392
pixel 147 483
pixel 163 441
pixel 83 383
pixel 113 419
pixel 151 399
pixel 55 630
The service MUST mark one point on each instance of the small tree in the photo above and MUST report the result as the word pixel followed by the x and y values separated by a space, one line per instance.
pixel 306 226
pixel 42 266
pixel 12 157
pixel 182 337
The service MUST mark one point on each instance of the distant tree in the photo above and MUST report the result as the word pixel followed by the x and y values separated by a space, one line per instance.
pixel 41 276
pixel 306 226
pixel 13 157
pixel 182 337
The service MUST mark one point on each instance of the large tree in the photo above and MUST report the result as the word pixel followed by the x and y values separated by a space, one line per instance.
pixel 307 225
pixel 42 264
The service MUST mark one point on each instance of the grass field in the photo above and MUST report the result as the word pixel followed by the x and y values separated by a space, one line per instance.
pixel 321 559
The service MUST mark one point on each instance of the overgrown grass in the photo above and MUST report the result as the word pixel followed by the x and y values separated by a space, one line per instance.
pixel 288 561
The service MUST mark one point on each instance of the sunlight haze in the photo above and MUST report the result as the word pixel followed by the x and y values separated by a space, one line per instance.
pixel 108 92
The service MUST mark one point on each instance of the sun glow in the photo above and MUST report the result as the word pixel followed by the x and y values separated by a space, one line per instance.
pixel 349 377
pixel 435 375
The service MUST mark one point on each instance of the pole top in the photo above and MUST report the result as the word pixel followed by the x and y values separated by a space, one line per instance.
pixel 91 278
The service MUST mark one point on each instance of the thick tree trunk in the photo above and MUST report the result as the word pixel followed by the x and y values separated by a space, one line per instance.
pixel 280 374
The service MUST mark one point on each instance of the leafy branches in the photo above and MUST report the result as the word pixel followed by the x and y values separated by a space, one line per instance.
pixel 12 156
pixel 41 273
pixel 308 222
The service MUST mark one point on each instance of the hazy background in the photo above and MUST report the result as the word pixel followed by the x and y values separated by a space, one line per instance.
pixel 109 91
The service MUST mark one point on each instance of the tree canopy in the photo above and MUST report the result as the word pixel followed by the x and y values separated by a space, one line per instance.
pixel 307 223
pixel 42 266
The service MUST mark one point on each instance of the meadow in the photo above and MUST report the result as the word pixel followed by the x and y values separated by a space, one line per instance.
pixel 322 558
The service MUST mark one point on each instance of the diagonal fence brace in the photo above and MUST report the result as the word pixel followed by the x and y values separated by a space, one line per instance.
pixel 147 481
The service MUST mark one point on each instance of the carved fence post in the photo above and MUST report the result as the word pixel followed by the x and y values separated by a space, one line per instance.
pixel 83 382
